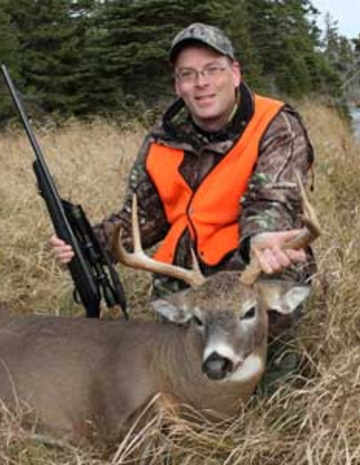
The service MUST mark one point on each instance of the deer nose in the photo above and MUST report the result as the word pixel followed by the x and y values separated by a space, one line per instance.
pixel 216 367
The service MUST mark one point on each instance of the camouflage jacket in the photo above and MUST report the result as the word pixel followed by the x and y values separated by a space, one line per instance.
pixel 271 203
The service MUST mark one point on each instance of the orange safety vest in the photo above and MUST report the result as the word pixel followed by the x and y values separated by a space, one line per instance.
pixel 211 212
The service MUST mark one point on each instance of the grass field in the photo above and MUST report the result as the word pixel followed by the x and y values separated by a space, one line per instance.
pixel 313 419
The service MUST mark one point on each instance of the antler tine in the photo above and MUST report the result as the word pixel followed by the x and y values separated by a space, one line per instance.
pixel 312 229
pixel 135 226
pixel 139 260
pixel 306 236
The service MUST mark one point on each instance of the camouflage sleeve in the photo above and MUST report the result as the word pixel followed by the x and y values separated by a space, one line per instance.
pixel 152 219
pixel 272 201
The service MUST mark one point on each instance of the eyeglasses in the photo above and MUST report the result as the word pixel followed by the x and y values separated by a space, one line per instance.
pixel 190 75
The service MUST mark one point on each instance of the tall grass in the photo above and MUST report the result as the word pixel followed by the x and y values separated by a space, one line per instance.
pixel 89 164
pixel 313 419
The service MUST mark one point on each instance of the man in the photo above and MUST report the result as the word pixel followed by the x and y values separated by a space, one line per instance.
pixel 218 174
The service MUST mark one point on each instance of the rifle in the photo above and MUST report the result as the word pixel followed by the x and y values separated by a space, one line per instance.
pixel 91 269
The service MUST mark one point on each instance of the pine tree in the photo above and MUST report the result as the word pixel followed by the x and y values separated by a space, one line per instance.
pixel 134 48
pixel 286 38
pixel 233 17
pixel 339 56
pixel 111 56
pixel 49 52
pixel 8 57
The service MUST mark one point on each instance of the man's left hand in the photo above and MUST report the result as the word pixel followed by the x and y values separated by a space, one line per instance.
pixel 268 248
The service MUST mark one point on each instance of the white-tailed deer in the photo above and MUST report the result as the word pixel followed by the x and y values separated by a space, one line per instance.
pixel 86 377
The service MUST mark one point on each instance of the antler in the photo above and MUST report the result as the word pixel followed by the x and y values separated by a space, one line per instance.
pixel 139 260
pixel 306 236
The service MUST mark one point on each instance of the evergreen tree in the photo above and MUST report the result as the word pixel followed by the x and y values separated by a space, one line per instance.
pixel 134 47
pixel 49 52
pixel 286 39
pixel 8 57
pixel 338 49
pixel 88 66
pixel 340 55
pixel 355 83
pixel 111 56
pixel 233 17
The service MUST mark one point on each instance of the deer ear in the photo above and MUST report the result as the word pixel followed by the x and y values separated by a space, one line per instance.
pixel 282 296
pixel 171 312
pixel 294 297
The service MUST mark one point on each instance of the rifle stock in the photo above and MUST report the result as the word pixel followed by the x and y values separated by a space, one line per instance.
pixel 90 265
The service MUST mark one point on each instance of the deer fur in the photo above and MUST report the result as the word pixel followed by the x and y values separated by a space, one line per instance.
pixel 89 379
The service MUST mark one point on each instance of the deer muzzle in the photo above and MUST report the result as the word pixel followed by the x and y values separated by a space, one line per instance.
pixel 216 366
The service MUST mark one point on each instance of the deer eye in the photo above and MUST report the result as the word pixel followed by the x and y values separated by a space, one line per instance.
pixel 197 321
pixel 249 314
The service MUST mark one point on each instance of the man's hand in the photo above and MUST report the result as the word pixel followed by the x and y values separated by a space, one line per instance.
pixel 268 248
pixel 61 251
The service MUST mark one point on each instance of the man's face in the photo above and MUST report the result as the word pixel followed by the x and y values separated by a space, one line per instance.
pixel 206 81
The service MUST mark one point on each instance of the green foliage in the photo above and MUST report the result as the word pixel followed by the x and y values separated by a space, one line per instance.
pixel 8 57
pixel 286 39
pixel 49 51
pixel 342 57
pixel 89 57
pixel 234 18
pixel 134 47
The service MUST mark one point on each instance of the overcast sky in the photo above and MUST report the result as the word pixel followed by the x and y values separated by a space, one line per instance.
pixel 345 12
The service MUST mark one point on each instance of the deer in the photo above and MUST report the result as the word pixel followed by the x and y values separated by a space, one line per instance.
pixel 88 380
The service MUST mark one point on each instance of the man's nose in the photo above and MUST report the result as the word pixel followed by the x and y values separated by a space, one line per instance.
pixel 201 78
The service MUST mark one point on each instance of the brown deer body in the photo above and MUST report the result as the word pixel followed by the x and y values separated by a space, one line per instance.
pixel 84 376
pixel 88 377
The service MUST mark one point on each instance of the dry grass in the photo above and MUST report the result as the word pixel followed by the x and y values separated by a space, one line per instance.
pixel 311 420
pixel 90 164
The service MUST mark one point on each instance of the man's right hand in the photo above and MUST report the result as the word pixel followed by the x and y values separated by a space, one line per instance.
pixel 61 251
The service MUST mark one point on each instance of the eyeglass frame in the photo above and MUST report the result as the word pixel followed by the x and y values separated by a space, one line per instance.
pixel 205 72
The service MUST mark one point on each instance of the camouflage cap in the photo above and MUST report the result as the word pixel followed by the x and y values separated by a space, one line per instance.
pixel 208 35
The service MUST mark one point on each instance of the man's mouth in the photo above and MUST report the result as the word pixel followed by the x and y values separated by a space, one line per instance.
pixel 204 98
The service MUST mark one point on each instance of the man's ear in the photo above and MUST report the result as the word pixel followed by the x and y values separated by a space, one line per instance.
pixel 177 89
pixel 282 296
pixel 171 312
pixel 236 73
